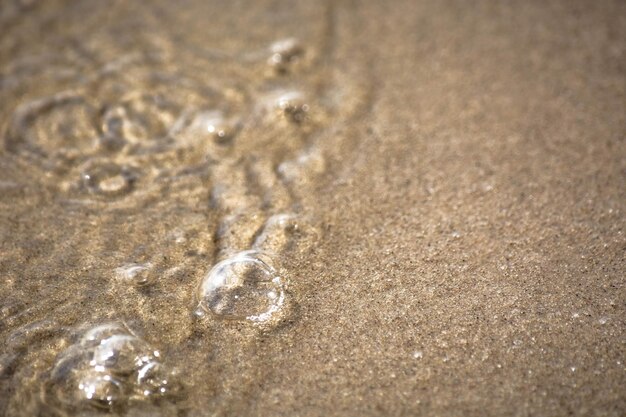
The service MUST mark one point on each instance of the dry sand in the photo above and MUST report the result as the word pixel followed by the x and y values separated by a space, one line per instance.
pixel 457 179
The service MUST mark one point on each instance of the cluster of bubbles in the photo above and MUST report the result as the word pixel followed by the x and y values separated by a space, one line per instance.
pixel 246 285
pixel 100 145
pixel 106 369
pixel 103 146
pixel 108 143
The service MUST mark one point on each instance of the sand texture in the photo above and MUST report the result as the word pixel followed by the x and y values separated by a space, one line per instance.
pixel 303 208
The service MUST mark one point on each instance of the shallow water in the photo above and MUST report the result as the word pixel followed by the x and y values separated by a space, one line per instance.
pixel 312 208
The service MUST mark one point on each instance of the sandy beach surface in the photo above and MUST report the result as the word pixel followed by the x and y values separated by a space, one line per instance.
pixel 340 208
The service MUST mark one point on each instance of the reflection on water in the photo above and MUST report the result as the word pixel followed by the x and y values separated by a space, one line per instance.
pixel 158 169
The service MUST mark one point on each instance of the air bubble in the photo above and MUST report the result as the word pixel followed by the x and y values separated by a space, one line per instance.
pixel 216 125
pixel 108 179
pixel 244 286
pixel 96 335
pixel 292 105
pixel 152 379
pixel 122 354
pixel 107 367
pixel 284 54
pixel 136 274
pixel 100 389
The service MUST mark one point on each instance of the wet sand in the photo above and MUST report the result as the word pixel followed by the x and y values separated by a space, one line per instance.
pixel 434 189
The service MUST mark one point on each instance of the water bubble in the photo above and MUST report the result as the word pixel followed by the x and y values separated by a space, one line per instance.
pixel 105 368
pixel 71 360
pixel 244 286
pixel 74 384
pixel 284 54
pixel 137 274
pixel 122 354
pixel 216 125
pixel 292 105
pixel 62 387
pixel 97 334
pixel 108 179
pixel 100 389
pixel 152 379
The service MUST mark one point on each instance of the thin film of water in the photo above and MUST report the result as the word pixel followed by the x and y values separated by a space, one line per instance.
pixel 173 200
